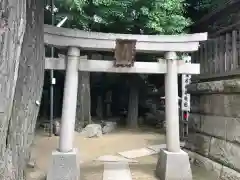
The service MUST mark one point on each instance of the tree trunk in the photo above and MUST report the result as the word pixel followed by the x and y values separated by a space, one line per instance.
pixel 80 104
pixel 29 75
pixel 84 101
pixel 12 29
pixel 108 102
pixel 132 119
pixel 87 99
pixel 99 110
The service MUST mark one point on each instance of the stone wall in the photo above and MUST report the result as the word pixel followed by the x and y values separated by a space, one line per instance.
pixel 214 125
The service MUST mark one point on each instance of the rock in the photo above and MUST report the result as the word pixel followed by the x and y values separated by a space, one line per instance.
pixel 92 130
pixel 109 127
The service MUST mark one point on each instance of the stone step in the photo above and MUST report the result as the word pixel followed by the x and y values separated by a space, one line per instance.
pixel 117 171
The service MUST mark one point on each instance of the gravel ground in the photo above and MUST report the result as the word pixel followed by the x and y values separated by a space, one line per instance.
pixel 110 144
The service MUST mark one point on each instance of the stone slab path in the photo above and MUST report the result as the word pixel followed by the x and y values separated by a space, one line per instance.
pixel 146 151
pixel 136 153
pixel 144 169
pixel 112 158
pixel 117 171
pixel 136 164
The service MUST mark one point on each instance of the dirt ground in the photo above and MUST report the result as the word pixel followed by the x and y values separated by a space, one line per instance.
pixel 110 144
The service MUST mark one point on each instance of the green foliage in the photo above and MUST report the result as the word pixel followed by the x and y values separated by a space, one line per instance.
pixel 126 16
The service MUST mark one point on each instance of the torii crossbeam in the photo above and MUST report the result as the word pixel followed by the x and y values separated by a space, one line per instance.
pixel 159 67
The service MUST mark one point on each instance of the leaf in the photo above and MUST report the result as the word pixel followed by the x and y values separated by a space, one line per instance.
pixel 127 16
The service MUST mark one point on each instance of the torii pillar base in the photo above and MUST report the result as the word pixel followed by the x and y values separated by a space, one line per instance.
pixel 173 166
pixel 64 166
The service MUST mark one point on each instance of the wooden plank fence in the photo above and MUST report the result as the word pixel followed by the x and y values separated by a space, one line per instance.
pixel 219 56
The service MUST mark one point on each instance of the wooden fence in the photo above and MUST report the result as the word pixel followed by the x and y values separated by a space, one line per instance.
pixel 219 56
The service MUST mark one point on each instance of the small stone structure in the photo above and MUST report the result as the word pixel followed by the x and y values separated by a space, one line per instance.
pixel 214 126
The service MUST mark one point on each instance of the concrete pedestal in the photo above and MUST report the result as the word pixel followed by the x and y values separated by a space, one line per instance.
pixel 64 166
pixel 173 166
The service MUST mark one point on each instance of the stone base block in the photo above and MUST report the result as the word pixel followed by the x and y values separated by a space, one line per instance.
pixel 173 166
pixel 64 166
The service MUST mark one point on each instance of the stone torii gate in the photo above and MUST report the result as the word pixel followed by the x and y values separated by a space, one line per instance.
pixel 173 163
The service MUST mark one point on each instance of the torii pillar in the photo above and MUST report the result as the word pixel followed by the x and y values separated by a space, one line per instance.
pixel 64 164
pixel 173 163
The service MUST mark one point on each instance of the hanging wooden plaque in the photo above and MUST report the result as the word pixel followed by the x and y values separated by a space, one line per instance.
pixel 125 52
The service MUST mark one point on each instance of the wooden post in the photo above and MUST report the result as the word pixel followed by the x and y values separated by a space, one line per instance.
pixel 227 58
pixel 205 58
pixel 234 50
pixel 216 55
pixel 222 54
pixel 210 57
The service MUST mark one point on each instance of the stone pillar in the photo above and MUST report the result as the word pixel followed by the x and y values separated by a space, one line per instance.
pixel 173 163
pixel 69 101
pixel 64 161
pixel 171 103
